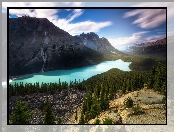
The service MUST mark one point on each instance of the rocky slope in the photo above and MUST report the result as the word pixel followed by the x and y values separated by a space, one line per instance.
pixel 63 103
pixel 92 40
pixel 37 45
pixel 150 102
pixel 68 101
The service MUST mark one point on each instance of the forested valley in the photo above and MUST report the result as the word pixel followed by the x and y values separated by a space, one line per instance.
pixel 99 89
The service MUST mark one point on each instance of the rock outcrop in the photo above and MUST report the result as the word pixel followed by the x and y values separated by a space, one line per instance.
pixel 92 40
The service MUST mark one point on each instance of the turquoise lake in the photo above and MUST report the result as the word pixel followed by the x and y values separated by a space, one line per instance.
pixel 71 75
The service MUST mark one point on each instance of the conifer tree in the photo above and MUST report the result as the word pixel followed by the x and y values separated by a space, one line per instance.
pixel 82 120
pixel 49 116
pixel 76 116
pixel 21 114
pixel 97 121
pixel 59 121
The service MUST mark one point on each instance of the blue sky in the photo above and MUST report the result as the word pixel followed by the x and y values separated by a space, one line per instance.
pixel 122 27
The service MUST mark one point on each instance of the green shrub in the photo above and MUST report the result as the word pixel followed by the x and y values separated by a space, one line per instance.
pixel 137 110
pixel 107 121
pixel 129 102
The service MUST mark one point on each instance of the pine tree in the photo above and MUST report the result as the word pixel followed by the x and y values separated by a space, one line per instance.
pixel 97 121
pixel 21 114
pixel 129 102
pixel 59 121
pixel 82 120
pixel 76 117
pixel 49 116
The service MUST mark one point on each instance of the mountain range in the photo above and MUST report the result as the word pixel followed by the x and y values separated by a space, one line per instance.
pixel 37 45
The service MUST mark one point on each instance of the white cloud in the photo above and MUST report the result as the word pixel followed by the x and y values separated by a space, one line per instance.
pixel 135 38
pixel 169 5
pixel 38 13
pixel 147 18
pixel 161 32
pixel 51 15
pixel 170 14
pixel 76 13
pixel 77 28
pixel 139 33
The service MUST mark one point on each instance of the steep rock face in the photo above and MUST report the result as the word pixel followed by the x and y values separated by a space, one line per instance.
pixel 37 45
pixel 92 40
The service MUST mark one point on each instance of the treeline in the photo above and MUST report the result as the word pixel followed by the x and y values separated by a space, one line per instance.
pixel 143 64
pixel 20 89
pixel 101 88
pixel 157 78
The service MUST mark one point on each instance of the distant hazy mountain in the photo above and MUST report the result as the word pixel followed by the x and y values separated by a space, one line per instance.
pixel 37 45
pixel 158 47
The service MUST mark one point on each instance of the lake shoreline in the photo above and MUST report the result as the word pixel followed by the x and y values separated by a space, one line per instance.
pixel 71 75
pixel 13 78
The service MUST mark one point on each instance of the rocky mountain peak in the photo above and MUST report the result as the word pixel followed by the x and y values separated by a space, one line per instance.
pixel 92 40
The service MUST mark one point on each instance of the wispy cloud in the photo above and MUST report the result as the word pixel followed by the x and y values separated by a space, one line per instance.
pixel 170 14
pixel 139 33
pixel 39 13
pixel 52 15
pixel 169 5
pixel 161 32
pixel 135 38
pixel 147 18
pixel 77 28
pixel 76 13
